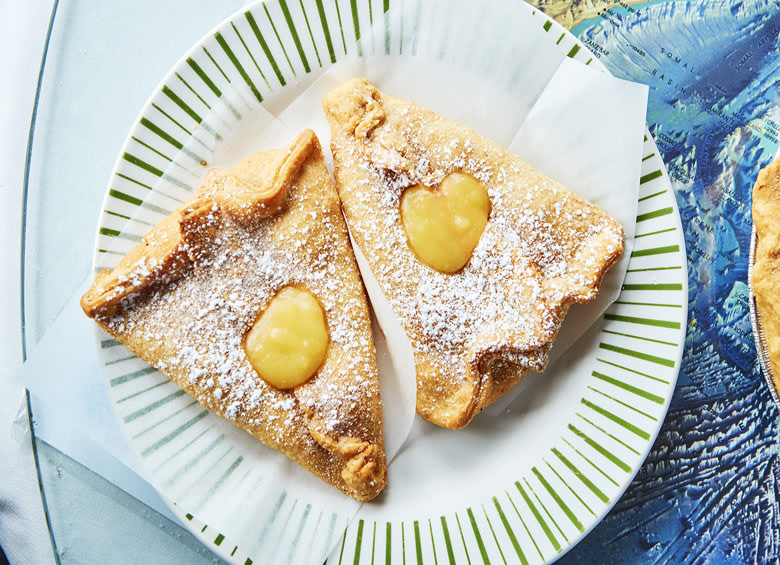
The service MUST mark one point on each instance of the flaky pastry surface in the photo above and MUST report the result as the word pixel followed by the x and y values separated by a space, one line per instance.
pixel 765 280
pixel 185 297
pixel 478 331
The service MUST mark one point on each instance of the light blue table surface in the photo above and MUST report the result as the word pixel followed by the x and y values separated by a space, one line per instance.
pixel 102 63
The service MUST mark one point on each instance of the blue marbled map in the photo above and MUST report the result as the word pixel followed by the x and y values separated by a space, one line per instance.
pixel 708 492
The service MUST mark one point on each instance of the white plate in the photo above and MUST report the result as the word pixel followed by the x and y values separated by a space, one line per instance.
pixel 523 487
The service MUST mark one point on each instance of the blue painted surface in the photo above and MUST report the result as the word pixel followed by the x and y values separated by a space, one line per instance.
pixel 708 492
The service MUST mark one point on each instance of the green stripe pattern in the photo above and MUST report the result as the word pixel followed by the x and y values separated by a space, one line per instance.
pixel 552 504
pixel 550 501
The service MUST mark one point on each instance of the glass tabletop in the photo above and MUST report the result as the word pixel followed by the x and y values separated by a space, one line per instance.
pixel 708 489
pixel 99 69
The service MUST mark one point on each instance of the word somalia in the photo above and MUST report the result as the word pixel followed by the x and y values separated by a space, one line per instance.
pixel 762 41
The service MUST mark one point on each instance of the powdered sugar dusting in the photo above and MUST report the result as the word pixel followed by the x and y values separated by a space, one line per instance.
pixel 196 324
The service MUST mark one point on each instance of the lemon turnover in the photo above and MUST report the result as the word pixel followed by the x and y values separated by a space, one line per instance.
pixel 479 310
pixel 257 250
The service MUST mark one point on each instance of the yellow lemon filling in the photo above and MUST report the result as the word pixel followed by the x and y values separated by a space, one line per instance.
pixel 443 226
pixel 289 340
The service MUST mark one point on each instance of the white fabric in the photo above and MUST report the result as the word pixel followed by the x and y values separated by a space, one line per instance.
pixel 24 536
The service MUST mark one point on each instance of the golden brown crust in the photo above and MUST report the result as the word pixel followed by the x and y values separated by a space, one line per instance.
pixel 478 331
pixel 251 191
pixel 765 280
pixel 273 220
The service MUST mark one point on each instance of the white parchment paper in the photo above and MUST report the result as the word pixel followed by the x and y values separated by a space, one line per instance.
pixel 489 65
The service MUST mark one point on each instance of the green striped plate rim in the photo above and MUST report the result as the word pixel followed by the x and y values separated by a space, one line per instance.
pixel 540 506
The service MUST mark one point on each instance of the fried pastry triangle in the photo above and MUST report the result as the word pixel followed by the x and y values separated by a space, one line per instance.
pixel 765 278
pixel 478 330
pixel 184 299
